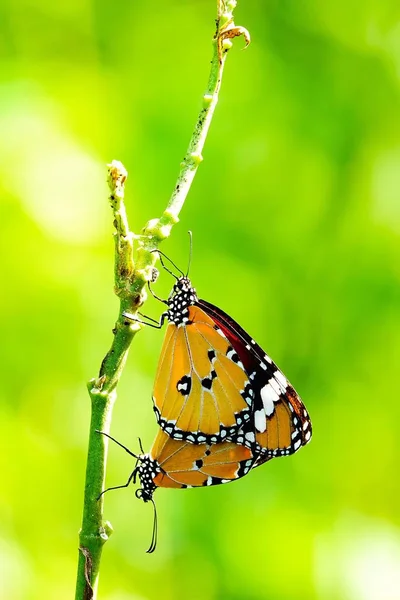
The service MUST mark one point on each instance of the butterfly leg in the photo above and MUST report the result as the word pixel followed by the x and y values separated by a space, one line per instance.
pixel 155 295
pixel 132 476
pixel 149 318
pixel 156 324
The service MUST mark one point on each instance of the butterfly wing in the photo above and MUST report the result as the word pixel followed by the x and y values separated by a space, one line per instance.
pixel 183 464
pixel 202 391
pixel 280 423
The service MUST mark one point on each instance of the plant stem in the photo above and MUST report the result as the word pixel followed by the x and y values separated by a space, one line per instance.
pixel 226 29
pixel 130 280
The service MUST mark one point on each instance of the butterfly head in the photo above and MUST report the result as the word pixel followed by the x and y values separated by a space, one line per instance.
pixel 183 285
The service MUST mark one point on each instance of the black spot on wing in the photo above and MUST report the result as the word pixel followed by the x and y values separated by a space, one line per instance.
pixel 211 355
pixel 232 354
pixel 184 385
pixel 206 383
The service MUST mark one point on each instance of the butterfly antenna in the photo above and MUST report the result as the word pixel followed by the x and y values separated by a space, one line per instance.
pixel 119 444
pixel 155 530
pixel 140 446
pixel 160 254
pixel 190 251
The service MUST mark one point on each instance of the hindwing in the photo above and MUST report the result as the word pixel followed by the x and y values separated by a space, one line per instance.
pixel 182 464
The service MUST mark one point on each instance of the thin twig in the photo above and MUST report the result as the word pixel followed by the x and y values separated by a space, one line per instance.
pixel 130 280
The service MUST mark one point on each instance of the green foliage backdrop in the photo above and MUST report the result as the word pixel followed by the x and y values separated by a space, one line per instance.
pixel 296 220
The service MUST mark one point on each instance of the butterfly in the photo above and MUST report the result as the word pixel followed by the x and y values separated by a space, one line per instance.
pixel 179 464
pixel 214 383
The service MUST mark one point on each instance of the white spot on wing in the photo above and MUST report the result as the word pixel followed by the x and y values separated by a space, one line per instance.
pixel 297 445
pixel 307 436
pixel 275 385
pixel 281 379
pixel 250 436
pixel 259 421
pixel 268 397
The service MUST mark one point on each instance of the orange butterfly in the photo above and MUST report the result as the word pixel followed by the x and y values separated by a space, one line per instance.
pixel 215 384
pixel 178 464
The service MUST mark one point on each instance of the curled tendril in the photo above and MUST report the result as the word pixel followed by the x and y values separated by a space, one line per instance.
pixel 233 31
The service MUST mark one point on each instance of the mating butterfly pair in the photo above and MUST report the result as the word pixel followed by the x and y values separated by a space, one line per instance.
pixel 222 405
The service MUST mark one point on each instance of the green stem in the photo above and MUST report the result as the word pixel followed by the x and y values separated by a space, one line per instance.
pixel 102 390
pixel 130 280
pixel 226 29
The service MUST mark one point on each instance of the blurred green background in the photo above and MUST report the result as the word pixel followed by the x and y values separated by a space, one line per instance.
pixel 296 220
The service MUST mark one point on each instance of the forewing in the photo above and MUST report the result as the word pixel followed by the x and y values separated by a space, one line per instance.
pixel 202 392
pixel 279 423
